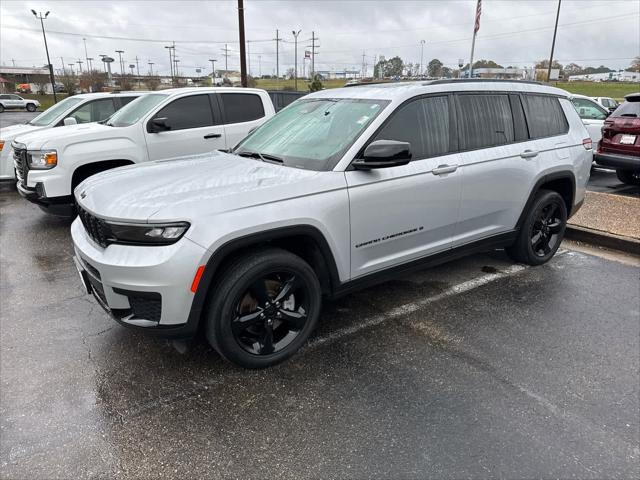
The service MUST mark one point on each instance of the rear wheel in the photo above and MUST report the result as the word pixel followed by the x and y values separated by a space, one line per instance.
pixel 264 307
pixel 1 108
pixel 31 107
pixel 630 177
pixel 542 231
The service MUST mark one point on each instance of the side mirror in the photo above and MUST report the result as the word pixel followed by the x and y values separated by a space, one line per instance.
pixel 70 121
pixel 384 154
pixel 160 124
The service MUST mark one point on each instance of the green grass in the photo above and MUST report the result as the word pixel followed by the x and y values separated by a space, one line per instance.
pixel 45 100
pixel 616 90
pixel 303 86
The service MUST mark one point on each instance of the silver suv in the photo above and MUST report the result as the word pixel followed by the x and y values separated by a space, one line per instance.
pixel 341 189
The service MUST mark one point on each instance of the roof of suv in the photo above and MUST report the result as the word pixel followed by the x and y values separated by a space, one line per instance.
pixel 111 94
pixel 400 91
pixel 177 91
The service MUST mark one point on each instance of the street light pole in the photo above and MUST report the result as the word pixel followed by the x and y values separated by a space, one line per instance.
pixel 295 69
pixel 46 47
pixel 170 62
pixel 213 70
pixel 421 56
pixel 120 52
pixel 243 58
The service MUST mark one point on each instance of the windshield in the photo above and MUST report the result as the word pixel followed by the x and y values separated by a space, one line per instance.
pixel 627 109
pixel 134 111
pixel 313 133
pixel 51 114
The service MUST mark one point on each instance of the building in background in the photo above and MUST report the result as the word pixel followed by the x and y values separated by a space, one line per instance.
pixel 620 76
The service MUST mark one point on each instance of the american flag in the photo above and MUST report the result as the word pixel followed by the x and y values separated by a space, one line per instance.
pixel 478 12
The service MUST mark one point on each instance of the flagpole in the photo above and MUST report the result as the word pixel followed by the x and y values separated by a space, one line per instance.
pixel 476 27
pixel 473 46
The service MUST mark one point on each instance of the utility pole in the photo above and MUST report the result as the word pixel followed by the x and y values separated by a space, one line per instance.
pixel 363 72
pixel 243 58
pixel 259 66
pixel 80 62
pixel 120 52
pixel 175 69
pixel 421 56
pixel 151 64
pixel 46 47
pixel 64 70
pixel 71 67
pixel 295 69
pixel 313 54
pixel 170 61
pixel 213 70
pixel 86 55
pixel 226 58
pixel 553 43
pixel 90 64
pixel 278 40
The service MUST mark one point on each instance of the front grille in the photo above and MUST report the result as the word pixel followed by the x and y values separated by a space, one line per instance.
pixel 96 228
pixel 21 164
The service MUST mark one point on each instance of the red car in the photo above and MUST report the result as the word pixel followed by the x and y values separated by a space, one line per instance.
pixel 620 144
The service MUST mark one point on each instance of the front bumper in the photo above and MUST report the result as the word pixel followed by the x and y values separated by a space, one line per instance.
pixel 615 160
pixel 145 288
pixel 61 206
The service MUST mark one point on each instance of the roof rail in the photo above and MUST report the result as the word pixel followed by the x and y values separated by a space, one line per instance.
pixel 480 80
pixel 364 84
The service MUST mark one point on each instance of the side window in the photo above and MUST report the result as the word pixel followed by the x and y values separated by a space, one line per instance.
pixel 484 121
pixel 14 97
pixel 241 107
pixel 95 111
pixel 544 116
pixel 188 112
pixel 4 97
pixel 588 110
pixel 407 124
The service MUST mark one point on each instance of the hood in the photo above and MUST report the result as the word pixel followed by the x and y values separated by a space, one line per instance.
pixel 175 189
pixel 9 133
pixel 53 137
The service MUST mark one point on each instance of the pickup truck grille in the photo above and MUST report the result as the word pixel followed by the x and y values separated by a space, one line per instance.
pixel 21 164
pixel 96 228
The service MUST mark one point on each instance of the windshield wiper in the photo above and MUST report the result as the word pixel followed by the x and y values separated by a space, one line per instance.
pixel 265 157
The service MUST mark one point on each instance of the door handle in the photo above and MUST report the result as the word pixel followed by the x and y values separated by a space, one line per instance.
pixel 213 135
pixel 529 154
pixel 442 169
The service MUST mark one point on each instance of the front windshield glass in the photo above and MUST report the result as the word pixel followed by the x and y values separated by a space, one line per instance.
pixel 51 114
pixel 312 134
pixel 134 111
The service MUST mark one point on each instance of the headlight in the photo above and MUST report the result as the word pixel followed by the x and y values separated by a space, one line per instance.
pixel 42 159
pixel 1 145
pixel 147 234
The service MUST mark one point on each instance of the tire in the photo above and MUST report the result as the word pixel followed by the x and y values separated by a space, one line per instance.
pixel 630 177
pixel 1 108
pixel 265 306
pixel 31 107
pixel 542 231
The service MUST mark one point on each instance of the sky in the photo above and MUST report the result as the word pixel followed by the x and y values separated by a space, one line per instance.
pixel 512 32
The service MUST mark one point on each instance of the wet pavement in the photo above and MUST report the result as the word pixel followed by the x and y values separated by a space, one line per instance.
pixel 605 181
pixel 13 117
pixel 475 369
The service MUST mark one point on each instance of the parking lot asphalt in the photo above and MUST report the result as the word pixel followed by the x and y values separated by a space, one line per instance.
pixel 13 117
pixel 605 181
pixel 479 368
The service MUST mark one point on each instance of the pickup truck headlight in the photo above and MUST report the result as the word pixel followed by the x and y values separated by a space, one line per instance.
pixel 42 159
pixel 1 145
pixel 148 234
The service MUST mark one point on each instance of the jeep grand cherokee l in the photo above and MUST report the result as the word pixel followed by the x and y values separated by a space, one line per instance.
pixel 340 189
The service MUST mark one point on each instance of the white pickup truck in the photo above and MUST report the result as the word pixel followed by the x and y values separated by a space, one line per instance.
pixel 84 108
pixel 158 126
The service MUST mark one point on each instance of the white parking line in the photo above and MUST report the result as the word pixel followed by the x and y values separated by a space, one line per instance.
pixel 415 306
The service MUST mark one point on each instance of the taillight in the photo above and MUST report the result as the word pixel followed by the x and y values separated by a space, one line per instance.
pixel 587 144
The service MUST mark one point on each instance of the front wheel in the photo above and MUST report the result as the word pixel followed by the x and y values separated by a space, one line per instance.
pixel 630 177
pixel 265 305
pixel 1 108
pixel 31 107
pixel 542 231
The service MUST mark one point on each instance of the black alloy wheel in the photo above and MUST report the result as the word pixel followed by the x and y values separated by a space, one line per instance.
pixel 542 230
pixel 263 307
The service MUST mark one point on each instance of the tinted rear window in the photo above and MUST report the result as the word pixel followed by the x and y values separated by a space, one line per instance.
pixel 241 107
pixel 545 117
pixel 484 121
pixel 627 109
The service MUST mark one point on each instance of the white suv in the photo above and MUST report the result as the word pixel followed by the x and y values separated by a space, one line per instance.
pixel 12 101
pixel 158 126
pixel 84 108
pixel 342 188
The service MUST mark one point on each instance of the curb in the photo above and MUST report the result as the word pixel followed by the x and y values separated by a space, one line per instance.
pixel 603 239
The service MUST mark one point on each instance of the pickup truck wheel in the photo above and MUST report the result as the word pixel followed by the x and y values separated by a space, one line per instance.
pixel 31 107
pixel 542 231
pixel 630 177
pixel 264 307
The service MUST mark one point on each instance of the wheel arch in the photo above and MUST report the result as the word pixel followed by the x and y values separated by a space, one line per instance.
pixel 562 182
pixel 306 241
pixel 84 171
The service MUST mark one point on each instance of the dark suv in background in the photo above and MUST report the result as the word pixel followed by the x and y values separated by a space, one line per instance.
pixel 620 144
